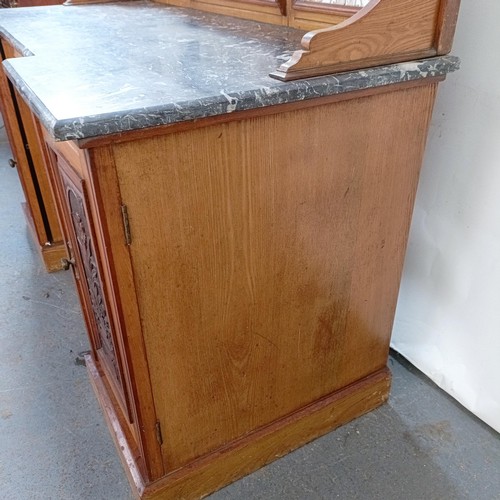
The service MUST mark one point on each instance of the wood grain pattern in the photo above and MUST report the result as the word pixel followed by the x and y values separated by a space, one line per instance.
pixel 71 153
pixel 384 223
pixel 266 445
pixel 308 16
pixel 265 11
pixel 385 31
pixel 447 23
pixel 257 255
pixel 103 179
pixel 300 15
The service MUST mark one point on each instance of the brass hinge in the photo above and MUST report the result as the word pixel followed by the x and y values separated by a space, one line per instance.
pixel 126 225
pixel 159 437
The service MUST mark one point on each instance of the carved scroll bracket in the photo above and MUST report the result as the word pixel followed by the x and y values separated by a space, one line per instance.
pixel 383 32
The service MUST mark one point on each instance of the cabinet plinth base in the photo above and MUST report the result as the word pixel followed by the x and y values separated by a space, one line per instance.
pixel 241 457
pixel 52 255
pixel 127 453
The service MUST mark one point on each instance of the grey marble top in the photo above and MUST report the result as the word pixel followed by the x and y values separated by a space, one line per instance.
pixel 102 69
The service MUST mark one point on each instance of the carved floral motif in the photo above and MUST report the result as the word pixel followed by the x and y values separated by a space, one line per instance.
pixel 91 272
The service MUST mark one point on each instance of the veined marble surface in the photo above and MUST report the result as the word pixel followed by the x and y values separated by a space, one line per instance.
pixel 100 69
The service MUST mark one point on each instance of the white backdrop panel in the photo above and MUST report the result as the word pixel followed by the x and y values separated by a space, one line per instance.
pixel 448 316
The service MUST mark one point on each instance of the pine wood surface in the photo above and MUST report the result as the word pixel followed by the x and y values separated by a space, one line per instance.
pixel 267 12
pixel 274 261
pixel 385 31
pixel 247 454
pixel 446 25
pixel 307 20
pixel 267 444
pixel 104 182
pixel 307 16
pixel 71 153
pixel 300 15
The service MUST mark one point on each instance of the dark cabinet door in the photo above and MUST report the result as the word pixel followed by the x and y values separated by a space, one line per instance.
pixel 88 272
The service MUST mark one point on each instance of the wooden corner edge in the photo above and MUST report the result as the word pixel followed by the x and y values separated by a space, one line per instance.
pixel 251 452
pixel 116 428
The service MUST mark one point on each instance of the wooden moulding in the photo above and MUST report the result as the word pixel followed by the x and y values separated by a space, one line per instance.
pixel 237 459
pixel 266 11
pixel 116 425
pixel 383 32
pixel 85 2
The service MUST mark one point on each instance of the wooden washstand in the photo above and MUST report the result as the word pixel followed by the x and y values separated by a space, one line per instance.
pixel 239 268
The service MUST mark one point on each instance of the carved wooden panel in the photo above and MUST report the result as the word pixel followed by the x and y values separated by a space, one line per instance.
pixel 88 272
pixel 91 271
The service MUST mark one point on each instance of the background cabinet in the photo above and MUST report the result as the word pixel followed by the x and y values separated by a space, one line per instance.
pixel 29 3
pixel 40 207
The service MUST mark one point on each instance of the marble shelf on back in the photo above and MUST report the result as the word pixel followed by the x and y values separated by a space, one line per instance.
pixel 103 69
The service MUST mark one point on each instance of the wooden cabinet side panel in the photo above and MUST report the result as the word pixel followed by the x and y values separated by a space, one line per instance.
pixel 267 269
pixel 389 188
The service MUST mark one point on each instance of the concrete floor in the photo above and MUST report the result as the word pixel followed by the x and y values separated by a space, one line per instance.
pixel 54 443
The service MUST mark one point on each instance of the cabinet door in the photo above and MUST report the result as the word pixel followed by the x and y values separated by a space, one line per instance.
pixel 92 292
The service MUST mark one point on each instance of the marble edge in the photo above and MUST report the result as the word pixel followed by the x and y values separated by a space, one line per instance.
pixel 35 104
pixel 14 42
pixel 228 102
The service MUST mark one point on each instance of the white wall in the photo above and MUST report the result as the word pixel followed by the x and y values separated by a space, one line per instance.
pixel 448 317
